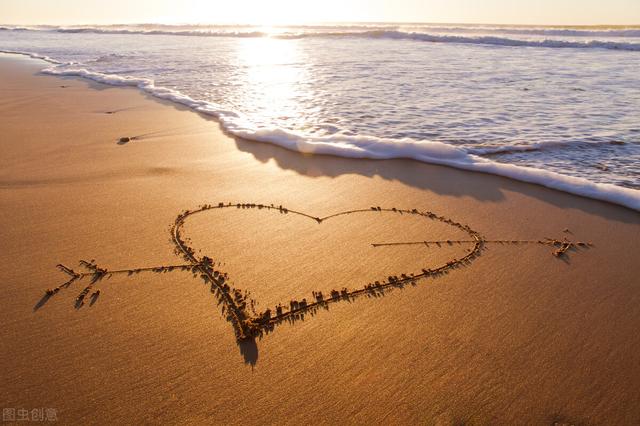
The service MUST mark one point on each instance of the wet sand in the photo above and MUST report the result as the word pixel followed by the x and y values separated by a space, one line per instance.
pixel 515 336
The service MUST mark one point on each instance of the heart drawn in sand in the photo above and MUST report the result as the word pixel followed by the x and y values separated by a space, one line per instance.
pixel 248 324
pixel 240 309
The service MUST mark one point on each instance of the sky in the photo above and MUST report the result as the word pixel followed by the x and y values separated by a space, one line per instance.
pixel 271 12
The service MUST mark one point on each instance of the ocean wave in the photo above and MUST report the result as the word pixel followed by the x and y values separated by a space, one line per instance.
pixel 112 57
pixel 540 146
pixel 4 28
pixel 361 146
pixel 433 34
pixel 203 29
pixel 499 41
pixel 197 33
pixel 624 32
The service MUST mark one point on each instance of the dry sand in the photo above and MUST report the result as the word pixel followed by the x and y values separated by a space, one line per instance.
pixel 517 337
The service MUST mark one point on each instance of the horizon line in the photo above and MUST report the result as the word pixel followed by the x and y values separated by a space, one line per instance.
pixel 326 23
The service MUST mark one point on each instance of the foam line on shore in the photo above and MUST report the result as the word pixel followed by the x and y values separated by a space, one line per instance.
pixel 365 147
pixel 33 56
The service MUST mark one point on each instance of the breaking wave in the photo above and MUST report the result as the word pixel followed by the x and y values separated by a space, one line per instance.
pixel 503 41
pixel 578 38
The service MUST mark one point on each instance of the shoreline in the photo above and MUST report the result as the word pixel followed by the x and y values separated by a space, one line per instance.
pixel 377 149
pixel 519 335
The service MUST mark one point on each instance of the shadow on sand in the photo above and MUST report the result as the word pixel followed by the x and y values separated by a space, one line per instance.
pixel 42 302
pixel 249 351
pixel 438 179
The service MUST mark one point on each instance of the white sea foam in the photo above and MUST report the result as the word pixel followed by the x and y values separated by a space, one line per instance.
pixel 443 154
pixel 33 55
pixel 362 146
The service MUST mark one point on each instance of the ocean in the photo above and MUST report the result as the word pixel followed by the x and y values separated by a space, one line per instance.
pixel 556 106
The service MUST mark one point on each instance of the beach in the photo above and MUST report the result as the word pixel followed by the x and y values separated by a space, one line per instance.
pixel 515 336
